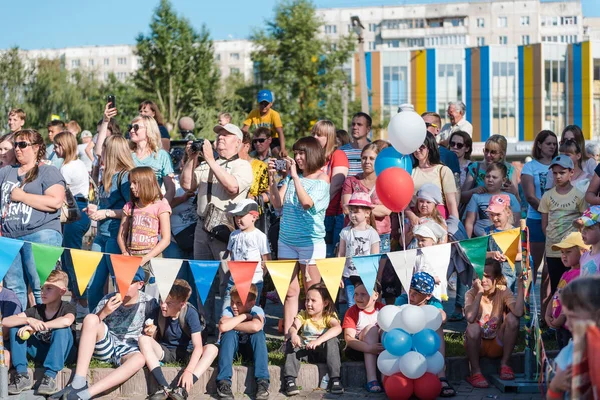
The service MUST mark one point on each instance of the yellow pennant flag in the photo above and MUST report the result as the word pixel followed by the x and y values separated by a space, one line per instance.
pixel 331 270
pixel 508 241
pixel 281 274
pixel 85 264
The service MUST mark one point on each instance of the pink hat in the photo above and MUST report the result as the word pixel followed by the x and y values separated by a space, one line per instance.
pixel 498 203
pixel 360 199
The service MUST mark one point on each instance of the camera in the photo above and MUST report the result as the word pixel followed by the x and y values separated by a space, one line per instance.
pixel 196 146
pixel 280 165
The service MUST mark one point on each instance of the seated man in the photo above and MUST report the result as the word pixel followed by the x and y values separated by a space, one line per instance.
pixel 46 332
pixel 492 314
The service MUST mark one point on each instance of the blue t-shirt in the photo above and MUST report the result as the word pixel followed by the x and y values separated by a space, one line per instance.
pixel 403 299
pixel 9 303
pixel 174 335
pixel 256 310
pixel 160 163
pixel 164 133
pixel 113 200
pixel 479 204
pixel 353 159
pixel 449 159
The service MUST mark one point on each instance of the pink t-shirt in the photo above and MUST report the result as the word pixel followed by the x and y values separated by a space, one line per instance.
pixel 352 184
pixel 146 226
pixel 358 319
pixel 564 280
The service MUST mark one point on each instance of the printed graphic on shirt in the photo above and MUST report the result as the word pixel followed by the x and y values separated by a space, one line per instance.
pixel 14 211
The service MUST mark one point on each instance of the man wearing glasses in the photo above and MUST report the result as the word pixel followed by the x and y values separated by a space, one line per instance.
pixel 456 113
pixel 433 121
pixel 261 142
pixel 266 117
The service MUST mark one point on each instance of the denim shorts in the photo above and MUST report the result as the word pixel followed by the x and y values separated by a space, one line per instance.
pixel 305 255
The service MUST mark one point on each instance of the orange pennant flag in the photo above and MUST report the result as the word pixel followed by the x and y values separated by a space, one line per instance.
pixel 509 241
pixel 331 270
pixel 281 275
pixel 85 264
pixel 125 268
pixel 242 273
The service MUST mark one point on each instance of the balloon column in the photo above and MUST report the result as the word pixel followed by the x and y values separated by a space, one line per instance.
pixel 411 360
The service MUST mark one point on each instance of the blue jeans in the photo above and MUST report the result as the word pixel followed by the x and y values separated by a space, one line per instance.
pixel 22 271
pixel 333 227
pixel 95 289
pixel 227 297
pixel 256 348
pixel 349 289
pixel 73 239
pixel 461 291
pixel 54 355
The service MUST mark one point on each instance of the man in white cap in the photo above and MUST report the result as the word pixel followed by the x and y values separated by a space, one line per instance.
pixel 221 183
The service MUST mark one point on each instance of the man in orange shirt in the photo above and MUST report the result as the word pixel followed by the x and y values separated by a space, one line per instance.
pixel 265 116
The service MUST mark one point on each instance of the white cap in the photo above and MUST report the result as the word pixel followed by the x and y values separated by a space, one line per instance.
pixel 86 134
pixel 229 128
pixel 244 207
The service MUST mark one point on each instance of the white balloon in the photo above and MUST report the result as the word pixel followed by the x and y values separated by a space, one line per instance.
pixel 386 316
pixel 413 365
pixel 412 319
pixel 433 317
pixel 435 363
pixel 406 131
pixel 388 363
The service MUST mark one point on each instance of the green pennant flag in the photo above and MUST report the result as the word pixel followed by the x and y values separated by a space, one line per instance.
pixel 476 250
pixel 45 259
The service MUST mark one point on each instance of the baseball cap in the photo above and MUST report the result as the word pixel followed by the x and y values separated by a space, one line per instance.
pixel 422 282
pixel 431 230
pixel 591 216
pixel 430 192
pixel 265 95
pixel 140 275
pixel 230 129
pixel 360 199
pixel 86 134
pixel 244 207
pixel 498 203
pixel 563 161
pixel 571 240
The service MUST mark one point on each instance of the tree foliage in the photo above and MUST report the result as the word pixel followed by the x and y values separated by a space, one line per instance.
pixel 12 76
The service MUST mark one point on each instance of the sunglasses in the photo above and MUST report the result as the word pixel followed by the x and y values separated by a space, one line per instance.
pixel 261 140
pixel 492 152
pixel 22 145
pixel 428 124
pixel 135 127
pixel 457 145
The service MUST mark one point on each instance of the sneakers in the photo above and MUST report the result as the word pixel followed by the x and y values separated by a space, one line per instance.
pixel 68 392
pixel 47 386
pixel 160 394
pixel 336 386
pixel 224 390
pixel 179 393
pixel 290 387
pixel 262 391
pixel 20 383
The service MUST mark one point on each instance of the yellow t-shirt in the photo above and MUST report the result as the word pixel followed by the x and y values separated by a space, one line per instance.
pixel 271 120
pixel 311 330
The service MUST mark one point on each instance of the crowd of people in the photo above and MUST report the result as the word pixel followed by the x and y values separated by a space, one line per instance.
pixel 252 196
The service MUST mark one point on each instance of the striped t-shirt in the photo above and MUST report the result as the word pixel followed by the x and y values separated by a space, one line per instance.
pixel 299 227
pixel 353 159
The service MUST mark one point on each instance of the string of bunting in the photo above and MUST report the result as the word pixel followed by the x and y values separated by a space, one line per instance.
pixel 331 269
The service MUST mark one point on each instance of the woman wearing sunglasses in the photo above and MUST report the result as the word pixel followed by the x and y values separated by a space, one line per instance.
pixel 32 194
pixel 461 144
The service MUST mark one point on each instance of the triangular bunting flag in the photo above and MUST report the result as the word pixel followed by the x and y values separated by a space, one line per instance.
pixel 509 241
pixel 9 248
pixel 125 268
pixel 45 259
pixel 242 273
pixel 331 270
pixel 475 250
pixel 404 263
pixel 367 267
pixel 85 264
pixel 281 275
pixel 165 271
pixel 438 258
pixel 204 274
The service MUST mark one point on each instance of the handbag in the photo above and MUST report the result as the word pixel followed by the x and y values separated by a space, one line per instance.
pixel 217 223
pixel 185 238
pixel 70 211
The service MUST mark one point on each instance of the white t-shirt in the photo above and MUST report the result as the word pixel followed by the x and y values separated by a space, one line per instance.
pixel 77 178
pixel 249 246
pixel 84 157
pixel 540 174
pixel 358 243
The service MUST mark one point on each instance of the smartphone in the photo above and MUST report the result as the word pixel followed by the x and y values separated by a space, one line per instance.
pixel 112 100
pixel 280 165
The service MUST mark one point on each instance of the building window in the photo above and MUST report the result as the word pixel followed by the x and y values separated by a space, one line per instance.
pixel 480 23
pixel 75 63
pixel 502 22
pixel 235 56
pixel 480 41
pixel 502 40
pixel 107 61
pixel 371 45
pixel 372 27
pixel 121 60
pixel 233 70
pixel 217 57
pixel 435 23
pixel 525 39
pixel 330 29
pixel 90 63
pixel 333 47
pixel 457 21
pixel 121 75
pixel 525 20
pixel 568 20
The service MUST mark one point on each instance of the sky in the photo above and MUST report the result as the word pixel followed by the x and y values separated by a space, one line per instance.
pixel 37 24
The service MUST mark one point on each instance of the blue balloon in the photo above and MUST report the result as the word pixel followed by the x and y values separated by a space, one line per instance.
pixel 383 337
pixel 397 342
pixel 426 342
pixel 390 157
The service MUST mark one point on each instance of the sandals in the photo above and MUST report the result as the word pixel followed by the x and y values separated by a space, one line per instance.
pixel 506 373
pixel 374 387
pixel 456 316
pixel 447 389
pixel 478 381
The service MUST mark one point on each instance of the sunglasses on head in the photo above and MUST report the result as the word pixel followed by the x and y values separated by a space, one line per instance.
pixel 260 140
pixel 569 142
pixel 22 145
pixel 457 145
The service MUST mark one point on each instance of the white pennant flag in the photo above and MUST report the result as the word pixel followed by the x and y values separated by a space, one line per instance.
pixel 404 263
pixel 165 271
pixel 437 259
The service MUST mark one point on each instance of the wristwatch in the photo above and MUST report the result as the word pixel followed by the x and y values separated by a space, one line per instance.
pixel 106 213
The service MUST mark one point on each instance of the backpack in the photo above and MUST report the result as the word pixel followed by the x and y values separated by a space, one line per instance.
pixel 162 321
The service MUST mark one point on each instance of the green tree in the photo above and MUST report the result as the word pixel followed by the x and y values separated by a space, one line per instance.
pixel 13 74
pixel 304 70
pixel 177 68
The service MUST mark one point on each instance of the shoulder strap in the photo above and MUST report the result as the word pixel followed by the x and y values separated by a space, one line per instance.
pixel 442 182
pixel 182 322
pixel 210 178
pixel 129 238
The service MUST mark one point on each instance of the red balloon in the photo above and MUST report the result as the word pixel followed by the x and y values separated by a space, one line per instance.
pixel 385 378
pixel 428 387
pixel 395 188
pixel 398 387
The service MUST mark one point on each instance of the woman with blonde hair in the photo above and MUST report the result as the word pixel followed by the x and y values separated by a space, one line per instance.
pixel 151 109
pixel 336 167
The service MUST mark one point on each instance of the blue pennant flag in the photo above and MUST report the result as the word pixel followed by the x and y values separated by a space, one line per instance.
pixel 9 248
pixel 367 267
pixel 204 273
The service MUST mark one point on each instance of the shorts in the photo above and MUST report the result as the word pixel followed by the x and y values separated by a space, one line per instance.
pixel 305 255
pixel 110 349
pixel 353 354
pixel 491 348
pixel 177 354
pixel 536 235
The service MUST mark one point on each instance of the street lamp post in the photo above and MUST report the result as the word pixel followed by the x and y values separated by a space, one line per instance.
pixel 362 65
